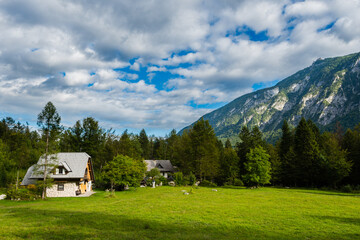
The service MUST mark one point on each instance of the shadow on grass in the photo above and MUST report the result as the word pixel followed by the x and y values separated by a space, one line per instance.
pixel 342 220
pixel 50 224
pixel 320 192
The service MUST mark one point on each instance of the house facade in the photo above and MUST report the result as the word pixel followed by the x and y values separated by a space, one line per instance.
pixel 72 173
pixel 165 167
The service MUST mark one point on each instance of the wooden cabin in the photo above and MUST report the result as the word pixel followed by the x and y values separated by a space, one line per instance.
pixel 72 173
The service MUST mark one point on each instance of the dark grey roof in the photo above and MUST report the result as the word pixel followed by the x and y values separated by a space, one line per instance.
pixel 74 163
pixel 162 165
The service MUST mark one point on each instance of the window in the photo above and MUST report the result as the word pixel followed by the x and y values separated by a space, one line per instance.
pixel 61 170
pixel 60 187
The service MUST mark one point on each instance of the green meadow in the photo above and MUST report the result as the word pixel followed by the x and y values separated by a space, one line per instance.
pixel 167 213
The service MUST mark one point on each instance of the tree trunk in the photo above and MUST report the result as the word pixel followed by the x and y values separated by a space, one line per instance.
pixel 17 180
pixel 45 165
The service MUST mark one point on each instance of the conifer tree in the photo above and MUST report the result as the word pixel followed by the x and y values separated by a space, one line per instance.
pixel 335 166
pixel 228 143
pixel 286 154
pixel 286 140
pixel 49 121
pixel 351 143
pixel 144 142
pixel 229 165
pixel 307 154
pixel 204 147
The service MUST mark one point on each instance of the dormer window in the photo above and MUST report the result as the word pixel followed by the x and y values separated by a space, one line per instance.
pixel 60 171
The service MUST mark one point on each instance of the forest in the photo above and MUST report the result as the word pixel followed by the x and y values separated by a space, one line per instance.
pixel 302 157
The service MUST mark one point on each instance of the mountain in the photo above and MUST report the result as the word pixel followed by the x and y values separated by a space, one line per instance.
pixel 326 92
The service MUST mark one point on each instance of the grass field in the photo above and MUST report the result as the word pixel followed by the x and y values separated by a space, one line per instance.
pixel 166 213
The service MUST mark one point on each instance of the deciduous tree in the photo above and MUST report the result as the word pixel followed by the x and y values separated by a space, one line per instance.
pixel 257 167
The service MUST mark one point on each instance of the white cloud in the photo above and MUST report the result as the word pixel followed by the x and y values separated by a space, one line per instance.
pixel 135 66
pixel 156 69
pixel 307 8
pixel 77 78
pixel 204 43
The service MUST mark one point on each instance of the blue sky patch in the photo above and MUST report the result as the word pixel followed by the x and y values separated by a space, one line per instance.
pixel 206 105
pixel 250 33
pixel 261 85
pixel 329 26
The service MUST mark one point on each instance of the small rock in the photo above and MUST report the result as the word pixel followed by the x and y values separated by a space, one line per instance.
pixel 186 193
pixel 2 196
pixel 215 190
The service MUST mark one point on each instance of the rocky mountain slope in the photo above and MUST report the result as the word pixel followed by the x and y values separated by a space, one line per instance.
pixel 326 92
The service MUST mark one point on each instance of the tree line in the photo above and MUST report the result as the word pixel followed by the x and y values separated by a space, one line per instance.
pixel 303 156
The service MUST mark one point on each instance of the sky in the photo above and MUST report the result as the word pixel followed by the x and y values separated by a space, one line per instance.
pixel 158 65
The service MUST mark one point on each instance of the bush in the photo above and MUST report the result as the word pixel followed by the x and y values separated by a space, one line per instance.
pixel 206 183
pixel 192 179
pixel 178 178
pixel 234 182
pixel 153 173
pixel 163 180
pixel 347 189
pixel 23 193
pixel 238 182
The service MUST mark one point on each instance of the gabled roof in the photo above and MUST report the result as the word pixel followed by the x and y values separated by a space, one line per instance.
pixel 74 163
pixel 27 180
pixel 162 165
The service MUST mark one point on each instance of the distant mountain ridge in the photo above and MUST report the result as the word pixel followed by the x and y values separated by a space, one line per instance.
pixel 326 92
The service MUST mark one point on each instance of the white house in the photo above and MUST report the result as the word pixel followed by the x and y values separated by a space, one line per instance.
pixel 165 167
pixel 72 173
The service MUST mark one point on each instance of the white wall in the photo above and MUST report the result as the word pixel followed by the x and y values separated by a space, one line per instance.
pixel 69 190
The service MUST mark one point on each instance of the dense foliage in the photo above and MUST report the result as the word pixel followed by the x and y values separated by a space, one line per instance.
pixel 303 157
pixel 123 171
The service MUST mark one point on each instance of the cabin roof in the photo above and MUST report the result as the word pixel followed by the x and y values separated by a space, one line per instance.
pixel 74 163
pixel 162 165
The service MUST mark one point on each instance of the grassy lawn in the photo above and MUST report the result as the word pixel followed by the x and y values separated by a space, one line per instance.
pixel 166 213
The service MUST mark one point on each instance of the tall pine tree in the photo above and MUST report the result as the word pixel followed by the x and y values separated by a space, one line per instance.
pixel 307 155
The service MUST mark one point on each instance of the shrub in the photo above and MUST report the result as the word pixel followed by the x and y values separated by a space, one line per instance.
pixel 23 193
pixel 234 182
pixel 153 173
pixel 206 183
pixel 192 179
pixel 238 182
pixel 347 189
pixel 178 178
pixel 163 180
